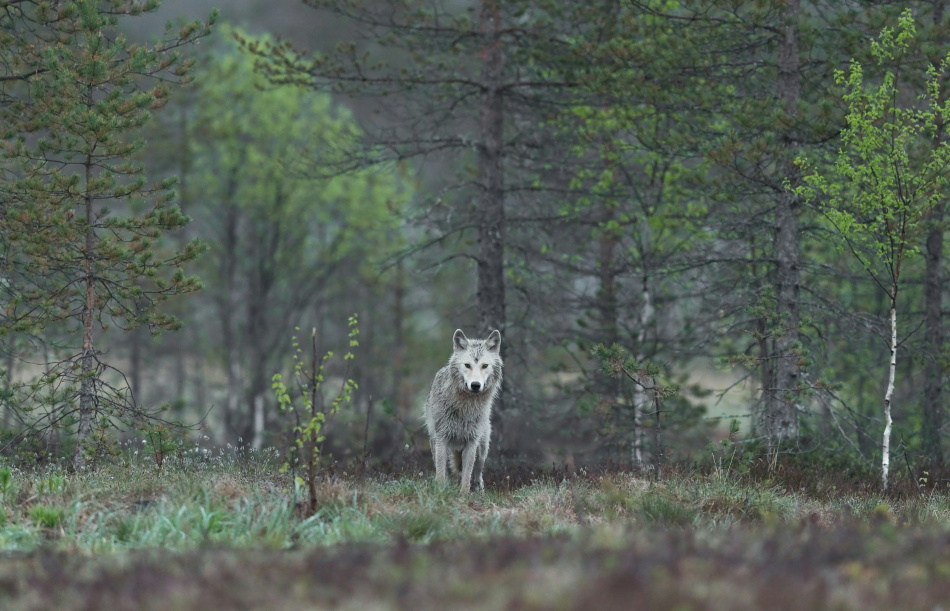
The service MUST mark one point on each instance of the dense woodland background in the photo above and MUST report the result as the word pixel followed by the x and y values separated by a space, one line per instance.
pixel 573 174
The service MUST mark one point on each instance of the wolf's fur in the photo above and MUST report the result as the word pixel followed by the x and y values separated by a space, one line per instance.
pixel 458 410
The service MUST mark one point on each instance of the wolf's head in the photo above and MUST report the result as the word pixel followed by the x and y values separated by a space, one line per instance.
pixel 476 361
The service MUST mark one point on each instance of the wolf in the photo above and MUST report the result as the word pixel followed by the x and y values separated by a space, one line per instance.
pixel 458 410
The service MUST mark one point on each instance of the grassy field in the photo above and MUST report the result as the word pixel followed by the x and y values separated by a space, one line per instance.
pixel 217 531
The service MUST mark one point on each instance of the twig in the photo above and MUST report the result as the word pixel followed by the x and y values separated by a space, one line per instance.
pixel 369 411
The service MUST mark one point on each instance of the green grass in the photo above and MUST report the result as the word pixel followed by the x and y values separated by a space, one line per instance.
pixel 236 526
pixel 250 504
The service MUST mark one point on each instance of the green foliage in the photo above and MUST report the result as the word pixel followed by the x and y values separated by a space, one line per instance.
pixel 889 171
pixel 6 484
pixel 82 228
pixel 85 130
pixel 268 155
pixel 313 409
pixel 616 363
pixel 50 484
pixel 290 233
pixel 46 516
pixel 659 510
pixel 160 440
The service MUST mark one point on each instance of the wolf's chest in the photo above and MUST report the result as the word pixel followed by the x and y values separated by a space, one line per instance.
pixel 465 421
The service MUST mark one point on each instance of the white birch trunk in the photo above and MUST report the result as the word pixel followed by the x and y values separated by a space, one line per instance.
pixel 892 370
pixel 640 397
pixel 258 441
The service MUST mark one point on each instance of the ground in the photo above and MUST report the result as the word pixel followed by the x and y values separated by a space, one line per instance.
pixel 228 531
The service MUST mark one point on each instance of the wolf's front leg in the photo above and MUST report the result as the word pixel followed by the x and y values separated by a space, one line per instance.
pixel 479 467
pixel 468 463
pixel 440 458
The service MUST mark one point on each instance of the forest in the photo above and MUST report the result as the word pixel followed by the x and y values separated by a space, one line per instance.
pixel 235 243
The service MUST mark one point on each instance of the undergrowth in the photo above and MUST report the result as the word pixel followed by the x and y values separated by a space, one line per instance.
pixel 238 498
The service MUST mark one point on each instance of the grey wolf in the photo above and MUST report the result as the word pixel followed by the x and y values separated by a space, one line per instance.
pixel 458 410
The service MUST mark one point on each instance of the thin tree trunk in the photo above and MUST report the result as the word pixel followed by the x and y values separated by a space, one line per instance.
pixel 181 371
pixel 657 432
pixel 888 394
pixel 257 438
pixel 607 295
pixel 228 305
pixel 135 364
pixel 87 386
pixel 760 417
pixel 184 340
pixel 228 316
pixel 640 398
pixel 933 409
pixel 491 209
pixel 8 385
pixel 258 305
pixel 933 372
pixel 781 405
pixel 608 387
pixel 400 382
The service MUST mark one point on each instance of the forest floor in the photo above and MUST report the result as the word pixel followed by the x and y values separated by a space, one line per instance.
pixel 226 532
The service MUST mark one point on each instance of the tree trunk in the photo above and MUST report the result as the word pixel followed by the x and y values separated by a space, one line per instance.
pixel 608 387
pixel 607 295
pixel 400 388
pixel 87 386
pixel 641 400
pixel 491 209
pixel 657 431
pixel 228 304
pixel 8 384
pixel 261 285
pixel 888 394
pixel 933 409
pixel 760 423
pixel 181 371
pixel 227 312
pixel 184 340
pixel 135 364
pixel 782 411
pixel 933 372
pixel 257 436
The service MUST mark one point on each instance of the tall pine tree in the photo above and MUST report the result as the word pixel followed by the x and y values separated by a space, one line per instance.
pixel 81 224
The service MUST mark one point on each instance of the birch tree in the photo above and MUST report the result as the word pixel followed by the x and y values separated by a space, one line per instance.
pixel 890 172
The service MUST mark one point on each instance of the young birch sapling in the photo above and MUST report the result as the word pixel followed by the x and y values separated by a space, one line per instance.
pixel 310 414
pixel 890 170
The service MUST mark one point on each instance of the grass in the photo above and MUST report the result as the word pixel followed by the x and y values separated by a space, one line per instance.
pixel 215 529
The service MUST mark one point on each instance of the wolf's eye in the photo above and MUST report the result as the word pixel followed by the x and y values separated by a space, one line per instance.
pixel 467 366
pixel 484 365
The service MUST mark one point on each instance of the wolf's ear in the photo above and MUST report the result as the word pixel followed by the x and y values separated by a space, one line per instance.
pixel 459 341
pixel 493 343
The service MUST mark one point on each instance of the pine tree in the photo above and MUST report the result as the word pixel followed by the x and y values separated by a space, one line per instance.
pixel 81 225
